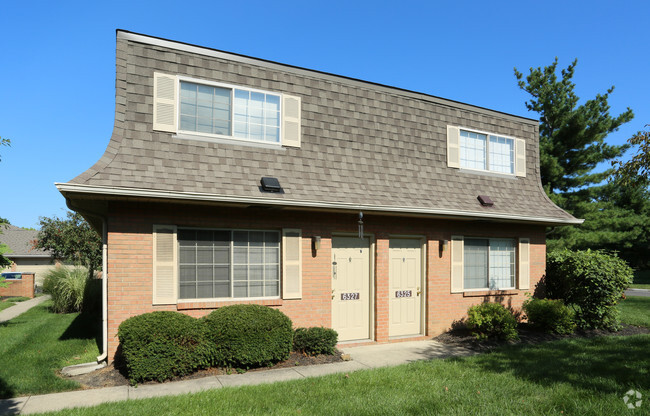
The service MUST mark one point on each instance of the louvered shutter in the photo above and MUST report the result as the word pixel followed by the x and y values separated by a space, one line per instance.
pixel 290 121
pixel 291 264
pixel 524 263
pixel 165 265
pixel 520 157
pixel 453 147
pixel 457 271
pixel 164 102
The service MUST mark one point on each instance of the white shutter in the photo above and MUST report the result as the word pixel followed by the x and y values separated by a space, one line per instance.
pixel 453 147
pixel 524 263
pixel 291 263
pixel 520 157
pixel 290 121
pixel 165 262
pixel 457 271
pixel 164 102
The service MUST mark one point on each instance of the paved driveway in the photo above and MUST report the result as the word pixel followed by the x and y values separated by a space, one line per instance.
pixel 638 292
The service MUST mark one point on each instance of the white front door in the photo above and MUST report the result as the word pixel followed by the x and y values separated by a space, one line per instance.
pixel 405 287
pixel 351 287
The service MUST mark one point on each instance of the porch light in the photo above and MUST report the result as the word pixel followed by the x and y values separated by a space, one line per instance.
pixel 315 242
pixel 442 244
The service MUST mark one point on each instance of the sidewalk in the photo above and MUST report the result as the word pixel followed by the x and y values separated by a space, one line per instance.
pixel 21 307
pixel 362 358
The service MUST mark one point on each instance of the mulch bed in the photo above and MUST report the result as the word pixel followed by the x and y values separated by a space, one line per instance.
pixel 110 376
pixel 527 335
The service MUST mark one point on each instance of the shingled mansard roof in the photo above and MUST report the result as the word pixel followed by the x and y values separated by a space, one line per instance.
pixel 19 240
pixel 365 146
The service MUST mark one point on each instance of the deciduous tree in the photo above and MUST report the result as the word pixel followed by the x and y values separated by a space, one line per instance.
pixel 71 239
pixel 637 169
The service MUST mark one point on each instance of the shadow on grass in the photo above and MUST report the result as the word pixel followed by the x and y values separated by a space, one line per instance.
pixel 84 326
pixel 5 391
pixel 603 364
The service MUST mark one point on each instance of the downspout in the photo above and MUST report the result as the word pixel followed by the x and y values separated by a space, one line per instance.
pixel 104 292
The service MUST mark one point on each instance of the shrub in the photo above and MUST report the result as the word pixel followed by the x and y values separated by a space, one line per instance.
pixel 591 282
pixel 550 315
pixel 491 320
pixel 67 287
pixel 315 340
pixel 246 336
pixel 161 345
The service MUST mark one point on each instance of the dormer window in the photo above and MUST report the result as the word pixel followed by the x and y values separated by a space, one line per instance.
pixel 205 109
pixel 485 152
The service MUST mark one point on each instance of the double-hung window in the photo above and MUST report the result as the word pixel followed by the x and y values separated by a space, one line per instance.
pixel 489 263
pixel 211 110
pixel 228 264
pixel 229 111
pixel 488 152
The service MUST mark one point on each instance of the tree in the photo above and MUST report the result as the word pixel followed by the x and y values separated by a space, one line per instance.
pixel 4 142
pixel 572 144
pixel 637 169
pixel 572 136
pixel 71 239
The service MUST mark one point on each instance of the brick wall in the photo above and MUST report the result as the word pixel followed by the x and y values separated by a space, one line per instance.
pixel 130 248
pixel 23 287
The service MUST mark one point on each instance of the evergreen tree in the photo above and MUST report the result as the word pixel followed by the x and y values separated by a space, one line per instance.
pixel 572 144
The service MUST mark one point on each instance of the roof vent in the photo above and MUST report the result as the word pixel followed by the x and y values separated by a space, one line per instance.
pixel 270 184
pixel 485 200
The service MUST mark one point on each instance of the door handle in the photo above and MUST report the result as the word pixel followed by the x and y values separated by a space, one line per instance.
pixel 418 292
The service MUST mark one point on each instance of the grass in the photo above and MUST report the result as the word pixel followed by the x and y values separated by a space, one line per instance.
pixel 6 303
pixel 38 343
pixel 641 279
pixel 635 310
pixel 573 377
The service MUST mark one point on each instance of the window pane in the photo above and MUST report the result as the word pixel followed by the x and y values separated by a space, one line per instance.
pixel 502 154
pixel 502 264
pixel 205 108
pixel 476 263
pixel 207 268
pixel 271 289
pixel 472 150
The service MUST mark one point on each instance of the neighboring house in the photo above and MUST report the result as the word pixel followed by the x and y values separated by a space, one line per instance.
pixel 453 208
pixel 23 257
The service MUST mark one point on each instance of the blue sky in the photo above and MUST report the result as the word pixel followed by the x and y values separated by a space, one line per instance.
pixel 57 65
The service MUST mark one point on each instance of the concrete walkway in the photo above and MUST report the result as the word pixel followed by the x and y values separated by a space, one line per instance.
pixel 21 307
pixel 638 292
pixel 362 358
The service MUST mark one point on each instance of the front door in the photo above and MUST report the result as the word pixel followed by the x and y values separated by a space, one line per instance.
pixel 405 283
pixel 351 287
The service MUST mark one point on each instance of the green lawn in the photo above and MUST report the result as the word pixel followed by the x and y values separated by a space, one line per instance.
pixel 36 344
pixel 570 377
pixel 635 310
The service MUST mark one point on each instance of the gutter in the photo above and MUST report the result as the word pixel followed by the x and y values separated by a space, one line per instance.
pixel 195 196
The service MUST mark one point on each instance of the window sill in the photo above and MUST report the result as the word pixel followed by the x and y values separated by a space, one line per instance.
pixel 227 140
pixel 479 293
pixel 211 304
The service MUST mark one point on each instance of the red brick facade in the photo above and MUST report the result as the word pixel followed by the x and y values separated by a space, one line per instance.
pixel 23 287
pixel 130 261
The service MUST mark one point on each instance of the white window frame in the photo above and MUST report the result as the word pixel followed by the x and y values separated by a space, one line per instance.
pixel 231 267
pixel 487 151
pixel 232 87
pixel 515 266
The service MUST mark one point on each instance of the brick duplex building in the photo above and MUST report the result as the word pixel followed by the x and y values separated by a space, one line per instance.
pixel 380 212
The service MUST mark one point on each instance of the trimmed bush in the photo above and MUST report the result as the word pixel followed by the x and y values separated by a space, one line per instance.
pixel 67 287
pixel 245 336
pixel 592 282
pixel 315 340
pixel 550 315
pixel 489 320
pixel 162 345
